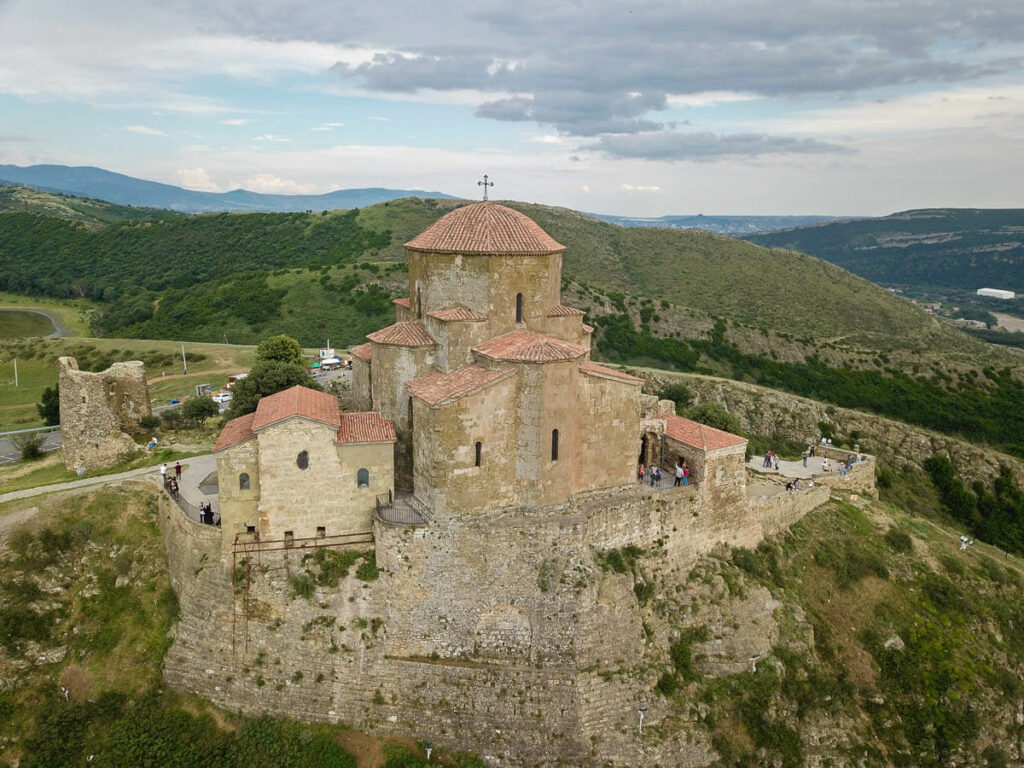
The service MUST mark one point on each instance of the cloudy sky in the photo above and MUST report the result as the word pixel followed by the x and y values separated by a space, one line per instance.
pixel 640 108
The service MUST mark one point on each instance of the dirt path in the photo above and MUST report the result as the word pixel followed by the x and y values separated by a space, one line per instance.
pixel 1009 322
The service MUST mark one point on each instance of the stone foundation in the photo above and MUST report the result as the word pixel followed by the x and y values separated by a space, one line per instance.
pixel 500 634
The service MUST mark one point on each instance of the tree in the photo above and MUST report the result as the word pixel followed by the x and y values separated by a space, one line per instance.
pixel 29 445
pixel 266 378
pixel 197 409
pixel 282 348
pixel 716 416
pixel 49 408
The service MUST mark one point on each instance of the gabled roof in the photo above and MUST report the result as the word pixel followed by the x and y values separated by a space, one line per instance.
pixel 457 315
pixel 485 228
pixel 410 333
pixel 435 388
pixel 297 401
pixel 402 303
pixel 366 427
pixel 609 373
pixel 697 435
pixel 588 328
pixel 235 431
pixel 525 346
pixel 561 310
pixel 363 351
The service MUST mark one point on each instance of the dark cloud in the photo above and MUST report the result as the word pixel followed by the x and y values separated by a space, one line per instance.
pixel 705 147
pixel 605 66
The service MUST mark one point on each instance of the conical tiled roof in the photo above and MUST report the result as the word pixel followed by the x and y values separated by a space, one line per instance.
pixel 485 228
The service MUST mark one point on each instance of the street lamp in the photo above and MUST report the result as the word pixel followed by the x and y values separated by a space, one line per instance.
pixel 641 711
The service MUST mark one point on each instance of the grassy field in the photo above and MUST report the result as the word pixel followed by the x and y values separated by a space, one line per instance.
pixel 18 323
pixel 37 369
pixel 73 314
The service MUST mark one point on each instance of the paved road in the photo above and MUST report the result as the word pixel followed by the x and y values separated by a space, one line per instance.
pixel 9 453
pixel 196 469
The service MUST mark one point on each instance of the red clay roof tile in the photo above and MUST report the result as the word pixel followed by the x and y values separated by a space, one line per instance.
pixel 365 427
pixel 525 346
pixel 561 310
pixel 363 351
pixel 611 373
pixel 410 333
pixel 457 315
pixel 485 228
pixel 434 388
pixel 235 431
pixel 697 435
pixel 402 303
pixel 297 401
pixel 588 328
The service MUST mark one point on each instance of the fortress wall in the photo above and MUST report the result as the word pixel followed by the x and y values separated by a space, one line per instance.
pixel 98 410
pixel 775 513
pixel 860 478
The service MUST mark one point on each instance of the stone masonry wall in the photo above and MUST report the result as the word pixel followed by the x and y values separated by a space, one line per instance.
pixel 99 410
pixel 495 633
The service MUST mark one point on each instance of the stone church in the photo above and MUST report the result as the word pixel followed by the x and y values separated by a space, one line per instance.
pixel 490 468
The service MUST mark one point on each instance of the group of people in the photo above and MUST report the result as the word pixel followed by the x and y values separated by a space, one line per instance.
pixel 173 486
pixel 653 475
pixel 794 484
pixel 771 459
pixel 842 467
pixel 808 454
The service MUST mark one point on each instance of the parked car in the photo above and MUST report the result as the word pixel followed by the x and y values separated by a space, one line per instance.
pixel 222 397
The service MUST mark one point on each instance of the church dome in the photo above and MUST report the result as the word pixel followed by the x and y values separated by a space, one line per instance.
pixel 485 228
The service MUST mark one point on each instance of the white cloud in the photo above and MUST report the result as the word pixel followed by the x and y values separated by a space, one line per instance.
pixel 235 121
pixel 144 130
pixel 197 178
pixel 708 98
pixel 268 183
pixel 549 138
pixel 272 137
pixel 327 126
pixel 639 188
pixel 380 119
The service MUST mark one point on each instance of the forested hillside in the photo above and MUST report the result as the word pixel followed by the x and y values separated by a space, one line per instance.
pixel 942 247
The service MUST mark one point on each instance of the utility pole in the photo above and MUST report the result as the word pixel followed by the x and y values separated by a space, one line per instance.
pixel 184 362
pixel 15 372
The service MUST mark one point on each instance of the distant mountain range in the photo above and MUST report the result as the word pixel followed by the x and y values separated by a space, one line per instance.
pixel 725 225
pixel 97 183
pixel 100 184
pixel 962 248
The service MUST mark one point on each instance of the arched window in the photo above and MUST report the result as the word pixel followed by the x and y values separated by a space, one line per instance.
pixel 519 307
pixel 554 445
pixel 303 460
pixel 243 481
pixel 479 451
pixel 363 478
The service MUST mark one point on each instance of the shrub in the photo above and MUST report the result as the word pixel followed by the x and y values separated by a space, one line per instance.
pixel 198 409
pixel 29 445
pixel 680 394
pixel 899 541
pixel 149 422
pixel 667 684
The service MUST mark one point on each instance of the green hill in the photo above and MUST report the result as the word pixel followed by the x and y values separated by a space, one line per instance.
pixel 94 214
pixel 965 248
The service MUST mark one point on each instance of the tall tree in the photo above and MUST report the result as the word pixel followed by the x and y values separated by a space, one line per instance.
pixel 49 408
pixel 279 365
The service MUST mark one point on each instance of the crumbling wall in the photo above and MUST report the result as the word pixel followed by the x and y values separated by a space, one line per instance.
pixel 98 411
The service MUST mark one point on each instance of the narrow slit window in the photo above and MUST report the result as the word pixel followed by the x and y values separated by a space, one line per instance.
pixel 479 452
pixel 243 481
pixel 554 445
pixel 289 538
pixel 519 307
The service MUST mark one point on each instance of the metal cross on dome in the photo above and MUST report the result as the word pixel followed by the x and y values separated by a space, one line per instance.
pixel 485 184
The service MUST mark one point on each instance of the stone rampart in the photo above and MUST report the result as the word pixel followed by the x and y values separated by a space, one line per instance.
pixel 496 634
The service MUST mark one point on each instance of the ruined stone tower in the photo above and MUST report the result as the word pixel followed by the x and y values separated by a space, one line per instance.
pixel 98 411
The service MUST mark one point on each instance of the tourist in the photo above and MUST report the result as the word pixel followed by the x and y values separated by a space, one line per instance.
pixel 651 473
pixel 657 476
pixel 796 484
pixel 789 486
pixel 824 464
pixel 810 483
pixel 776 457
pixel 177 470
pixel 163 473
pixel 806 453
pixel 679 476
pixel 686 475
pixel 640 474
pixel 767 461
